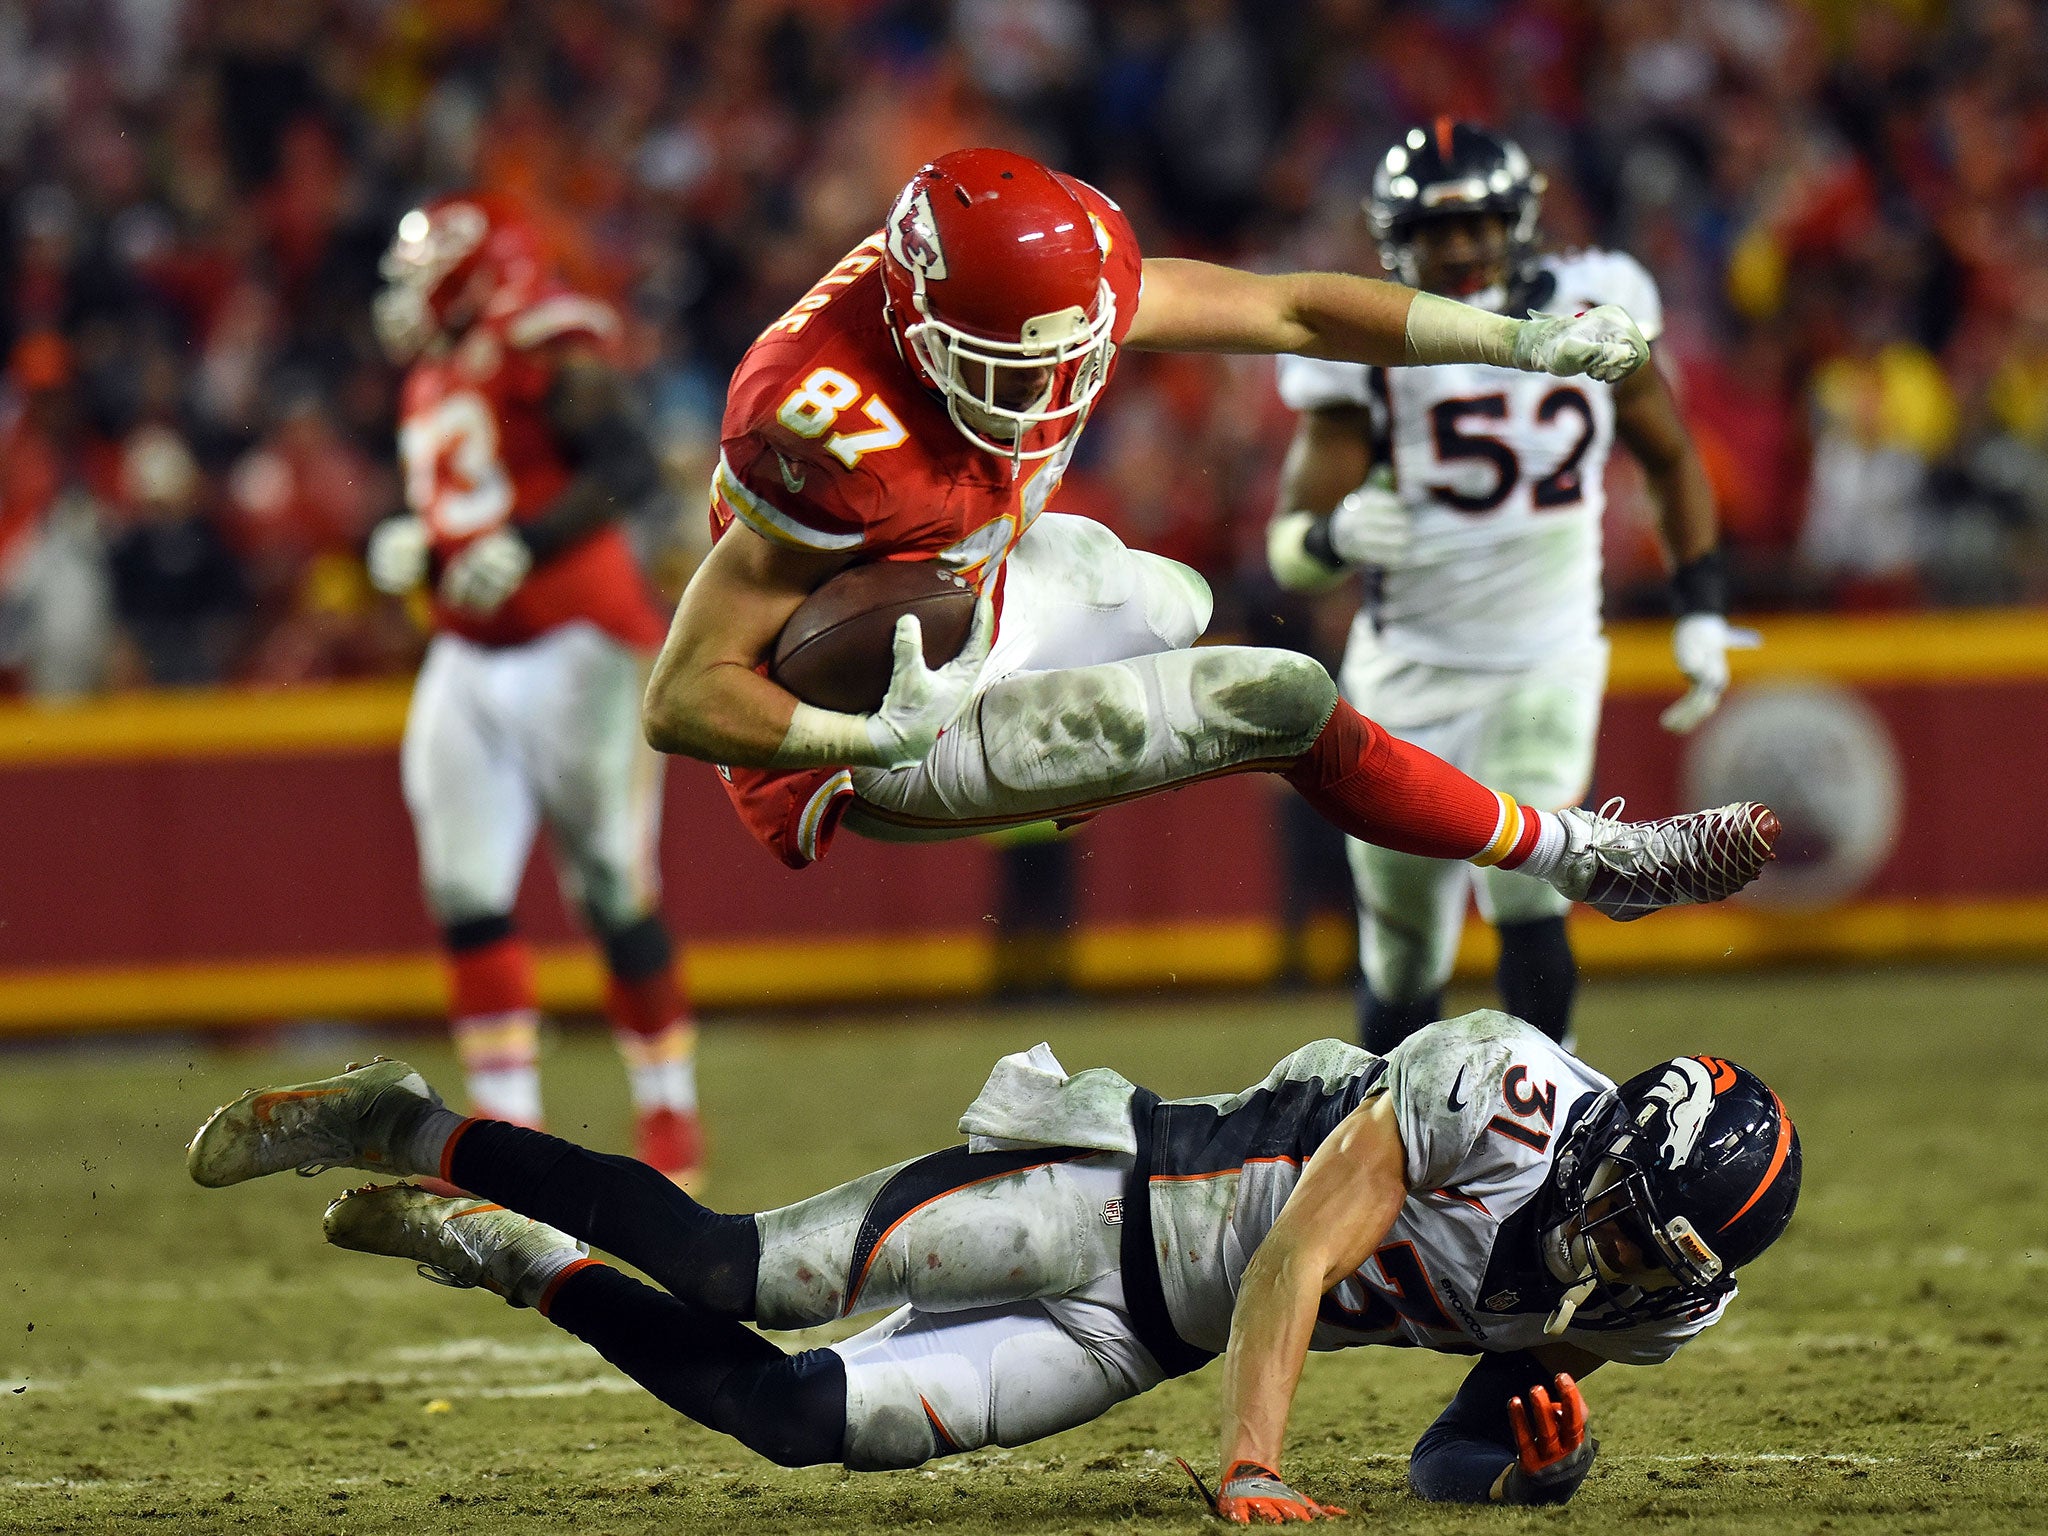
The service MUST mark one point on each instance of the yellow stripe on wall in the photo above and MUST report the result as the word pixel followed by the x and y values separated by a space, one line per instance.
pixel 1991 647
pixel 211 723
pixel 784 973
pixel 2004 646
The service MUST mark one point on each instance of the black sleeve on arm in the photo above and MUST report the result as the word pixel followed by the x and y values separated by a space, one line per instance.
pixel 591 409
pixel 1464 1452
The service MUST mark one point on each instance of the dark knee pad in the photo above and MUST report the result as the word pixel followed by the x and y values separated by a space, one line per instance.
pixel 474 933
pixel 638 950
pixel 1383 1025
pixel 1538 976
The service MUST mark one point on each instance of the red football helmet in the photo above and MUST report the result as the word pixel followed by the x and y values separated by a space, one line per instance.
pixel 993 268
pixel 451 262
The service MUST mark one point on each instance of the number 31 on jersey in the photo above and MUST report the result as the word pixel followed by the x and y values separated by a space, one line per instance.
pixel 815 405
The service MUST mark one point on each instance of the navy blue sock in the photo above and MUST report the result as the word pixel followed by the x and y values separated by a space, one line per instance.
pixel 618 1204
pixel 789 1408
pixel 1538 976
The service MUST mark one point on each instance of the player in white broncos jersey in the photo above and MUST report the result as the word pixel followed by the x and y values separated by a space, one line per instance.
pixel 1472 499
pixel 1478 1190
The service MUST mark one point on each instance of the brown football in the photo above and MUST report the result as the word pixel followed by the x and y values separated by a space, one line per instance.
pixel 835 650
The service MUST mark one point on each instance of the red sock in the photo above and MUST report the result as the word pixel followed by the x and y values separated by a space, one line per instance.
pixel 1382 790
pixel 492 980
pixel 644 1007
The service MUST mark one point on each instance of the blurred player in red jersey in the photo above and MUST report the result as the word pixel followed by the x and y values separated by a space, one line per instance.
pixel 521 451
pixel 922 403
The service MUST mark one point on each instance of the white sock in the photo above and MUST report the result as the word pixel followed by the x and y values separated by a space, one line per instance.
pixel 1551 845
pixel 426 1145
pixel 662 1069
pixel 500 1055
pixel 506 1093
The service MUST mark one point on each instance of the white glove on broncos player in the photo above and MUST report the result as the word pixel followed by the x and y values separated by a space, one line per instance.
pixel 1369 527
pixel 487 572
pixel 921 702
pixel 1604 343
pixel 397 556
pixel 1701 643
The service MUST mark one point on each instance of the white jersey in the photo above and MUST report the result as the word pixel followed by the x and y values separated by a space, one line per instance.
pixel 1481 1102
pixel 1503 473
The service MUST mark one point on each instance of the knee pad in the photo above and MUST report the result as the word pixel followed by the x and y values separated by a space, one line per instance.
pixel 476 933
pixel 1258 703
pixel 1177 601
pixel 638 950
pixel 1086 725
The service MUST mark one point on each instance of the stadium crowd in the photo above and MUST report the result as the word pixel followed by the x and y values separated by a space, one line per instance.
pixel 1846 205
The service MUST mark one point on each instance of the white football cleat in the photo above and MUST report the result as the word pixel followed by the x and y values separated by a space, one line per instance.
pixel 359 1119
pixel 1629 869
pixel 463 1242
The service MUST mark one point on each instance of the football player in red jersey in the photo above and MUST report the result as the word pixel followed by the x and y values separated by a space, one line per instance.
pixel 922 403
pixel 521 451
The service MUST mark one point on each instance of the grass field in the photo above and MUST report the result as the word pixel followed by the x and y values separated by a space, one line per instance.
pixel 189 1360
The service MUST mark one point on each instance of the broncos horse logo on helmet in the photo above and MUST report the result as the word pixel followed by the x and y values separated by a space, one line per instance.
pixel 1695 1161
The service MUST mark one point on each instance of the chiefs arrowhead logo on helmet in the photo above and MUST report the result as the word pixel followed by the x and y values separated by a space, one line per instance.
pixel 914 234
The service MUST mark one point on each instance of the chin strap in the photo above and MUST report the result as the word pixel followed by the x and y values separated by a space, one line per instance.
pixel 1568 1306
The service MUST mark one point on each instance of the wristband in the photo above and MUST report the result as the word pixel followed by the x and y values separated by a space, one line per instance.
pixel 1444 331
pixel 1701 585
pixel 825 738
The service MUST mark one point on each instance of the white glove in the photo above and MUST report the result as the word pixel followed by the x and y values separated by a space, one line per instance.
pixel 397 556
pixel 1603 343
pixel 921 702
pixel 1371 527
pixel 486 572
pixel 1701 643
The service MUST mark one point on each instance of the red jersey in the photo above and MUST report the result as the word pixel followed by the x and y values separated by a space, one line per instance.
pixel 478 452
pixel 832 443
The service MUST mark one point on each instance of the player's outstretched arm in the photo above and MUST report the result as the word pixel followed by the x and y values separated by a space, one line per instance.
pixel 1196 306
pixel 1347 1199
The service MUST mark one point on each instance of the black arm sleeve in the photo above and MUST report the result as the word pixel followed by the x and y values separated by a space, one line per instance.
pixel 1460 1456
pixel 591 410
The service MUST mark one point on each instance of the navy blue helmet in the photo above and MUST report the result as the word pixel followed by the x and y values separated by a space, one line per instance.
pixel 1696 1162
pixel 1452 168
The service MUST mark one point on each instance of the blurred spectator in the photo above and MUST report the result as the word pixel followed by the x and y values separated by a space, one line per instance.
pixel 55 619
pixel 177 586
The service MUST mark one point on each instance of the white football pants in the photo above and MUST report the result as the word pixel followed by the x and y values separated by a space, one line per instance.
pixel 497 738
pixel 1530 734
pixel 1009 1323
pixel 1092 695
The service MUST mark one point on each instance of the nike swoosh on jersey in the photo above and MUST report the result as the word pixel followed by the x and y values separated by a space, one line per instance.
pixel 1453 1101
pixel 791 476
